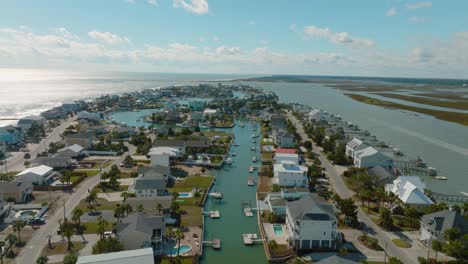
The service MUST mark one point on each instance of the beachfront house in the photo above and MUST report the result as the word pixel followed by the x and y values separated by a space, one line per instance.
pixel 290 175
pixel 74 151
pixel 410 190
pixel 286 158
pixel 353 146
pixel 311 223
pixel 89 117
pixel 41 174
pixel 140 231
pixel 370 157
pixel 434 225
pixel 25 123
pixel 11 135
pixel 17 191
pixel 161 155
pixel 140 256
pixel 54 113
pixel 316 115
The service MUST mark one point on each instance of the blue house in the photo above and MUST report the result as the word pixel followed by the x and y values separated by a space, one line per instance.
pixel 11 135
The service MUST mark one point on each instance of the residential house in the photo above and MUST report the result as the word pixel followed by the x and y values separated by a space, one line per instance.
pixel 140 231
pixel 336 260
pixel 41 174
pixel 244 110
pixel 280 158
pixel 277 201
pixel 353 146
pixel 25 123
pixel 83 139
pixel 71 107
pixel 179 145
pixel 151 204
pixel 311 223
pixel 96 130
pixel 316 115
pixel 54 162
pixel 11 135
pixel 74 151
pixel 197 105
pixel 277 122
pixel 209 112
pixel 151 182
pixel 18 191
pixel 410 190
pixel 140 256
pixel 283 138
pixel 123 131
pixel 383 175
pixel 370 157
pixel 196 117
pixel 162 155
pixel 286 150
pixel 89 117
pixel 434 225
pixel 54 113
pixel 290 174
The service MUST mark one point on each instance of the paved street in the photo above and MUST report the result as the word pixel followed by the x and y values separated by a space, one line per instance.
pixel 33 249
pixel 334 172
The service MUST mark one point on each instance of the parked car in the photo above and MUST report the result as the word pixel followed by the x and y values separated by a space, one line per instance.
pixel 37 221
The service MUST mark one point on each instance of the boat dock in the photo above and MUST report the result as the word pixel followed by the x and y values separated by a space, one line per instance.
pixel 215 243
pixel 250 239
pixel 450 197
pixel 414 167
pixel 213 214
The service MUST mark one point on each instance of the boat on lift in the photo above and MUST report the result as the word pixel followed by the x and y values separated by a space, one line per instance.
pixel 228 161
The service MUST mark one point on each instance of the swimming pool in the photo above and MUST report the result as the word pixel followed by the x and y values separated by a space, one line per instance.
pixel 185 194
pixel 268 148
pixel 278 229
pixel 183 249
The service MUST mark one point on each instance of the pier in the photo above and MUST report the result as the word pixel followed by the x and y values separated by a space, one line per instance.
pixel 215 243
pixel 413 167
pixel 250 239
pixel 449 197
pixel 213 214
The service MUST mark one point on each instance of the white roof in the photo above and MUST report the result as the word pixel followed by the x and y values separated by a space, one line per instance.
pixel 410 189
pixel 354 143
pixel 210 111
pixel 140 256
pixel 369 151
pixel 316 112
pixel 163 151
pixel 39 170
pixel 287 155
pixel 294 168
pixel 75 148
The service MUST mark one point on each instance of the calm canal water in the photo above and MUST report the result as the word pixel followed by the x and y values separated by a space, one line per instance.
pixel 232 182
pixel 441 144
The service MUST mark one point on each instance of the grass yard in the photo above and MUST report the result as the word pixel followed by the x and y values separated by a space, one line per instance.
pixel 267 156
pixel 401 243
pixel 91 227
pixel 101 204
pixel 61 248
pixel 181 260
pixel 193 217
pixel 101 164
pixel 191 182
pixel 89 173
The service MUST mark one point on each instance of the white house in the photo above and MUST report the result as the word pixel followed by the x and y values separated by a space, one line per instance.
pixel 151 182
pixel 179 145
pixel 310 223
pixel 37 175
pixel 161 155
pixel 316 115
pixel 289 174
pixel 72 151
pixel 286 158
pixel 370 157
pixel 410 190
pixel 209 112
pixel 353 146
pixel 140 256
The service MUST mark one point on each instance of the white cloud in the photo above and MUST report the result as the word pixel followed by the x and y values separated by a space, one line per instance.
pixel 193 6
pixel 130 1
pixel 107 37
pixel 391 12
pixel 418 5
pixel 340 38
pixel 153 2
pixel 228 50
pixel 416 20
pixel 65 33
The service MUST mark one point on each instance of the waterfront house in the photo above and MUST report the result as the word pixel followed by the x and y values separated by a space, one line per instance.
pixel 209 112
pixel 434 225
pixel 353 146
pixel 410 190
pixel 41 174
pixel 197 105
pixel 290 175
pixel 283 138
pixel 370 157
pixel 311 223
pixel 74 151
pixel 277 201
pixel 381 174
pixel 11 135
pixel 179 145
pixel 25 123
pixel 140 256
pixel 286 150
pixel 277 122
pixel 71 107
pixel 150 204
pixel 280 158
pixel 89 117
pixel 140 231
pixel 54 113
pixel 244 110
pixel 316 115
pixel 54 162
pixel 151 182
pixel 17 191
pixel 123 131
pixel 162 155
pixel 82 139
pixel 196 117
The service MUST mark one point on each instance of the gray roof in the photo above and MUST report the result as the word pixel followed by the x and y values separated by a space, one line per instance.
pixel 13 186
pixel 335 260
pixel 278 201
pixel 137 228
pixel 154 172
pixel 147 184
pixel 200 143
pixel 446 219
pixel 380 173
pixel 54 162
pixel 150 203
pixel 169 143
pixel 301 209
pixel 140 256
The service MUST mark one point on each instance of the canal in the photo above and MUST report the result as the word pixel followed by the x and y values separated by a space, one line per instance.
pixel 232 182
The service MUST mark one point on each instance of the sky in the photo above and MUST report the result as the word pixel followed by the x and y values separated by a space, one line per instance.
pixel 391 38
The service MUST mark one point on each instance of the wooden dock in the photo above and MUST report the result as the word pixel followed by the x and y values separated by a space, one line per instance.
pixel 215 243
pixel 250 239
pixel 213 214
pixel 449 197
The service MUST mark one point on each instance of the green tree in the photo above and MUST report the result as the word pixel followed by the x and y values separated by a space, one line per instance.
pixel 2 244
pixel 107 245
pixel 18 226
pixel 11 238
pixel 393 260
pixel 179 235
pixel 70 258
pixel 140 208
pixel 386 219
pixel 42 260
pixel 437 247
pixel 102 226
pixel 160 208
pixel 67 229
pixel 66 176
pixel 197 197
pixel 275 188
pixel 77 214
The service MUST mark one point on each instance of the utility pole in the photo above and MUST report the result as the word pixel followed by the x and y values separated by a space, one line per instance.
pixel 385 251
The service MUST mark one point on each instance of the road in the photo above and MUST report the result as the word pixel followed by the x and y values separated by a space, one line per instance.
pixel 33 248
pixel 334 172
pixel 16 162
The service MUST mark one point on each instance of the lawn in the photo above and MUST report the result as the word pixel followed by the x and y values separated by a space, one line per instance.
pixel 370 242
pixel 267 156
pixel 186 185
pixel 122 188
pixel 181 260
pixel 401 243
pixel 89 173
pixel 91 227
pixel 61 248
pixel 101 164
pixel 193 217
pixel 101 204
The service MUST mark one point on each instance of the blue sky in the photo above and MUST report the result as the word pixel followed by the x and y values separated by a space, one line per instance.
pixel 362 37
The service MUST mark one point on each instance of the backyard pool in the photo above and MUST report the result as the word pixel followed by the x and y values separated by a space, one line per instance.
pixel 183 249
pixel 278 229
pixel 269 148
pixel 185 195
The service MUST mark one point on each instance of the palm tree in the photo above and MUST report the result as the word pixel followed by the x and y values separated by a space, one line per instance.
pixel 11 238
pixel 66 176
pixel 102 226
pixel 175 195
pixel 125 196
pixel 169 235
pixel 68 231
pixel 91 199
pixel 77 214
pixel 2 244
pixel 436 246
pixel 197 196
pixel 140 208
pixel 159 207
pixel 180 235
pixel 17 226
pixel 42 260
pixel 127 208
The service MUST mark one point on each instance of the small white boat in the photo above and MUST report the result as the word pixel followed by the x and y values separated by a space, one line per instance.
pixel 234 154
pixel 251 169
pixel 241 124
pixel 236 144
pixel 216 195
pixel 253 148
pixel 228 161
pixel 250 181
pixel 441 178
pixel 254 159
